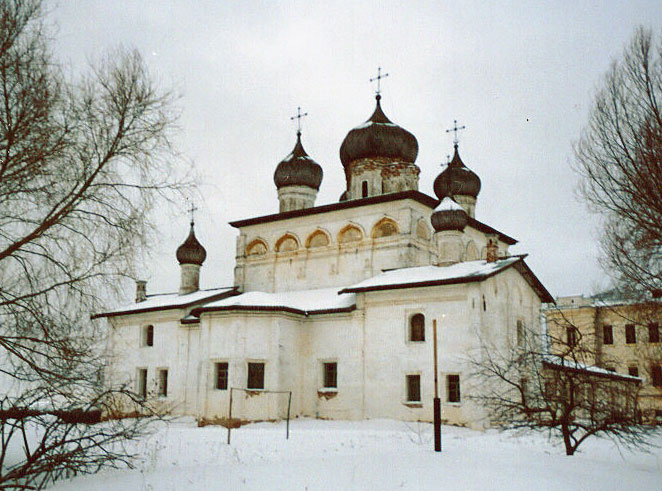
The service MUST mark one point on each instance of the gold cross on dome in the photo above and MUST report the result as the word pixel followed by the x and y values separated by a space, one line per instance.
pixel 379 78
pixel 455 129
pixel 298 118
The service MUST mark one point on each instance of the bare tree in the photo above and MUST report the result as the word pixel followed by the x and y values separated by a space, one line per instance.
pixel 526 388
pixel 619 158
pixel 82 163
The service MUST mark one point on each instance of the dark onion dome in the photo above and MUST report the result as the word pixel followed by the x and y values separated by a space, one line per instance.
pixel 456 179
pixel 449 216
pixel 191 251
pixel 298 169
pixel 378 137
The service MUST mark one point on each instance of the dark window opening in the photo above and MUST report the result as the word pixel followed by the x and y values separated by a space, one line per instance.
pixel 364 189
pixel 331 375
pixel 484 304
pixel 633 371
pixel 453 384
pixel 148 340
pixel 571 335
pixel 413 388
pixel 607 335
pixel 255 376
pixel 610 369
pixel 656 375
pixel 163 383
pixel 142 382
pixel 653 333
pixel 222 376
pixel 417 328
pixel 521 333
pixel 630 335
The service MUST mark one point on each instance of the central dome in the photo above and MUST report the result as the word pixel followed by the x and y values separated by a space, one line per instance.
pixel 378 137
pixel 298 169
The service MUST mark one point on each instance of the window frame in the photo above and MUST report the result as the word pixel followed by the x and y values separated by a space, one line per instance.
pixel 217 373
pixel 411 327
pixel 141 382
pixel 409 377
pixel 162 382
pixel 453 385
pixel 364 189
pixel 607 339
pixel 653 327
pixel 656 375
pixel 248 374
pixel 630 334
pixel 326 382
pixel 633 368
pixel 571 336
pixel 521 333
pixel 147 336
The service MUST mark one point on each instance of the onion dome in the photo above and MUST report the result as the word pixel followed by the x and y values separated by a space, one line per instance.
pixel 378 137
pixel 457 178
pixel 449 216
pixel 191 252
pixel 298 169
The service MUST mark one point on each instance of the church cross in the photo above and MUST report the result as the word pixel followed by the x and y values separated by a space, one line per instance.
pixel 379 78
pixel 192 211
pixel 455 129
pixel 298 118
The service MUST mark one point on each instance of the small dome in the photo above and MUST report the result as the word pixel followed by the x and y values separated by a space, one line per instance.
pixel 378 137
pixel 298 169
pixel 191 252
pixel 457 178
pixel 449 216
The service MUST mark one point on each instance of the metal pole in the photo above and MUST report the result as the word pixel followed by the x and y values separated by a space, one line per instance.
pixel 289 403
pixel 230 416
pixel 437 402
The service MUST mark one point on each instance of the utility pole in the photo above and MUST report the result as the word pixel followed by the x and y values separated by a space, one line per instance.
pixel 437 402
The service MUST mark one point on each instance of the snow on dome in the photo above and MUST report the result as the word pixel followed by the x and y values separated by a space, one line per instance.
pixel 448 204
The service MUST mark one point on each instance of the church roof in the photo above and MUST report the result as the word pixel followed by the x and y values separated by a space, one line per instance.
pixel 166 301
pixel 306 302
pixel 417 196
pixel 464 272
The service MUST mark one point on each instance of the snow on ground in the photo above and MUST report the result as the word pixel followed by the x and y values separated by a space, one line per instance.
pixel 377 454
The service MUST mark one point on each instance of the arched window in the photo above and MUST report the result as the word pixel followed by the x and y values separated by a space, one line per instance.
pixel 287 243
pixel 422 230
pixel 364 189
pixel 471 253
pixel 317 239
pixel 256 248
pixel 417 327
pixel 350 233
pixel 384 228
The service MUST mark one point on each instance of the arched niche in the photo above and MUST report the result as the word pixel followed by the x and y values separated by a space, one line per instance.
pixel 318 238
pixel 422 230
pixel 257 247
pixel 385 227
pixel 471 252
pixel 287 243
pixel 350 233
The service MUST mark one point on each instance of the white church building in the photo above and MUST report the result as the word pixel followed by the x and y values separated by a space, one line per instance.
pixel 335 303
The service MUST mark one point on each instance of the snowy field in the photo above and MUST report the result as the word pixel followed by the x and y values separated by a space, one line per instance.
pixel 380 454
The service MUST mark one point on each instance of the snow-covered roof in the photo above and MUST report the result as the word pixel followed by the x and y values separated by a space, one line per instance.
pixel 165 301
pixel 324 300
pixel 564 363
pixel 463 272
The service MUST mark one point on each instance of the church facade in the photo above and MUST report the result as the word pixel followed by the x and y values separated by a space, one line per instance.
pixel 336 303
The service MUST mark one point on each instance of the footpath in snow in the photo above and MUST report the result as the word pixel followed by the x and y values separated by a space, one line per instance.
pixel 379 454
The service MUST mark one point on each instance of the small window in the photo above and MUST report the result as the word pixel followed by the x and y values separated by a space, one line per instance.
pixel 484 304
pixel 221 370
pixel 330 375
pixel 630 335
pixel 453 386
pixel 521 333
pixel 633 371
pixel 653 333
pixel 417 328
pixel 656 375
pixel 607 335
pixel 413 388
pixel 148 336
pixel 571 336
pixel 142 383
pixel 163 383
pixel 609 368
pixel 255 376
pixel 364 189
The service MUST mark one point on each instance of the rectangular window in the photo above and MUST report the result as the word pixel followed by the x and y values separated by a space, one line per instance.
pixel 630 336
pixel 453 384
pixel 653 333
pixel 142 383
pixel 148 336
pixel 634 371
pixel 331 375
pixel 571 335
pixel 163 383
pixel 413 388
pixel 255 376
pixel 521 333
pixel 221 370
pixel 656 375
pixel 607 335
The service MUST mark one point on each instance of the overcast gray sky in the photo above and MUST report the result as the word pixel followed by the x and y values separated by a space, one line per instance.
pixel 520 77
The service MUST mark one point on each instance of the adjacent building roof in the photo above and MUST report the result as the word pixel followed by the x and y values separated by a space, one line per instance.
pixel 166 301
pixel 558 363
pixel 306 302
